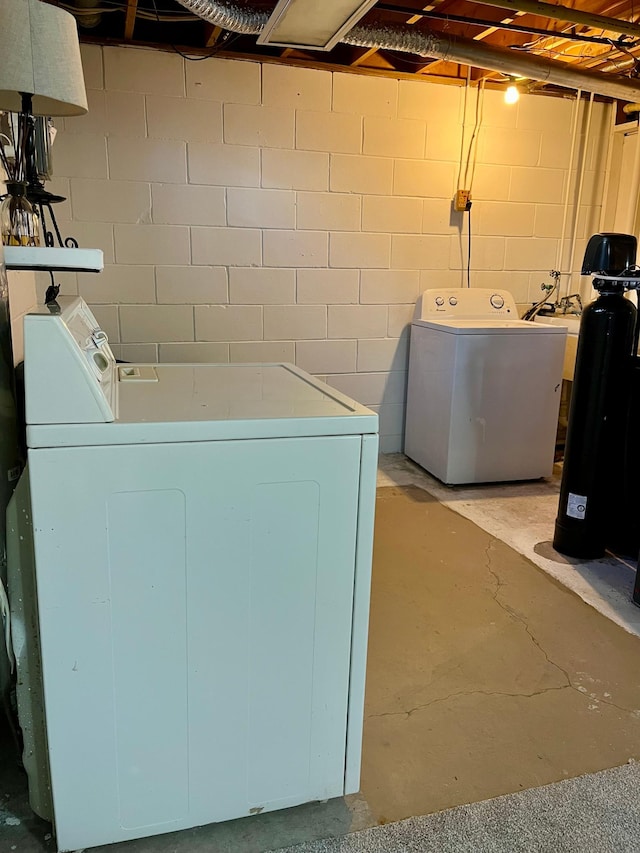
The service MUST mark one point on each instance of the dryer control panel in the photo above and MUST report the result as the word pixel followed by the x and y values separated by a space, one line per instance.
pixel 465 304
pixel 70 370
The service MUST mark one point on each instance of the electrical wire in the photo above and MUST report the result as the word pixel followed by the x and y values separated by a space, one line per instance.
pixel 216 48
pixel 166 16
pixel 475 151
pixel 464 126
pixel 605 56
pixel 568 32
pixel 473 142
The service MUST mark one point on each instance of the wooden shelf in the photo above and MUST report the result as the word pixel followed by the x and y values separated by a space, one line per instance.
pixel 55 259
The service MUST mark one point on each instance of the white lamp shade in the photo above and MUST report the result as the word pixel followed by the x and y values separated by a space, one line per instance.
pixel 40 55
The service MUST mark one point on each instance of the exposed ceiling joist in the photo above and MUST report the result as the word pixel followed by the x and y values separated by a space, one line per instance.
pixel 212 34
pixel 564 13
pixel 130 19
pixel 364 56
pixel 601 38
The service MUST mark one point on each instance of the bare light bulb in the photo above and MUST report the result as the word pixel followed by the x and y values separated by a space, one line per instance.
pixel 512 95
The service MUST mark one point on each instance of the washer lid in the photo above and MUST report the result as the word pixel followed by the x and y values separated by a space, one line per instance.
pixel 489 327
pixel 210 402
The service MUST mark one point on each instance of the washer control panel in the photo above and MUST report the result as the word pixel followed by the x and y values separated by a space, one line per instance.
pixel 69 368
pixel 473 303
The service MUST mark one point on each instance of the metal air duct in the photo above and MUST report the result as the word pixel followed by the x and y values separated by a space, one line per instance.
pixel 565 13
pixel 249 21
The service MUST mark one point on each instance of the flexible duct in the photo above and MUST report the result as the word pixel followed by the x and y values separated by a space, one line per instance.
pixel 87 20
pixel 248 21
pixel 237 19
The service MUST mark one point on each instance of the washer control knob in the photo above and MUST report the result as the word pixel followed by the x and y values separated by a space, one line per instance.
pixel 497 301
pixel 453 300
pixel 439 300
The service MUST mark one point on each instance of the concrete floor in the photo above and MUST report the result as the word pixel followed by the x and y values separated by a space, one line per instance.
pixel 486 676
pixel 522 515
pixel 597 813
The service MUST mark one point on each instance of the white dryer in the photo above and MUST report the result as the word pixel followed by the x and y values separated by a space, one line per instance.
pixel 483 388
pixel 189 560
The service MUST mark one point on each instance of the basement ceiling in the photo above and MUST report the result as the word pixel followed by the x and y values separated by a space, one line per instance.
pixel 560 34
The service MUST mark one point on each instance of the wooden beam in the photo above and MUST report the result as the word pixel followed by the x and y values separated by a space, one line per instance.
pixel 211 35
pixel 438 66
pixel 311 62
pixel 130 20
pixel 364 56
pixel 415 18
pixel 564 13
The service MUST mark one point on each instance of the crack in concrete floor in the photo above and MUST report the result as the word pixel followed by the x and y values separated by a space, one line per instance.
pixel 458 693
pixel 517 694
pixel 518 618
pixel 479 660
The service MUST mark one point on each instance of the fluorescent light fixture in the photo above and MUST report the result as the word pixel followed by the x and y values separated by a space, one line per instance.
pixel 311 24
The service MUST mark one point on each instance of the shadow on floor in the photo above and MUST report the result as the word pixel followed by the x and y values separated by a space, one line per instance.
pixel 22 832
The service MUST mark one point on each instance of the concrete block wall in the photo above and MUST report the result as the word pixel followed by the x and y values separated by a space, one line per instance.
pixel 22 300
pixel 254 212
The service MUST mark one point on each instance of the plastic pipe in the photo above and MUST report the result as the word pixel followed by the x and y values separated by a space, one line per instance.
pixel 579 199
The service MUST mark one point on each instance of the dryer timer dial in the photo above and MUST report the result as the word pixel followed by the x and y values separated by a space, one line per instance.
pixel 497 301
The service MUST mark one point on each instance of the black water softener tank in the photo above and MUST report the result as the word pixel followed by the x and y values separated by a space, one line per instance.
pixel 594 451
pixel 623 525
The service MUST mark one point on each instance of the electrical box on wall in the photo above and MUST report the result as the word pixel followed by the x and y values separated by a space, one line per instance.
pixel 462 200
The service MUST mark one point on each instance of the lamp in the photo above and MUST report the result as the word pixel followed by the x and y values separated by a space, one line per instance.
pixel 512 93
pixel 40 74
pixel 309 24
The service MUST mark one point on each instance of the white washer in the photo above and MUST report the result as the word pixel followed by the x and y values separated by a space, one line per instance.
pixel 199 537
pixel 483 390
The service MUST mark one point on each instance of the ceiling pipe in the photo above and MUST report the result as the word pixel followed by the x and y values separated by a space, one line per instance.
pixel 568 33
pixel 567 189
pixel 578 201
pixel 503 60
pixel 564 13
pixel 634 185
pixel 243 19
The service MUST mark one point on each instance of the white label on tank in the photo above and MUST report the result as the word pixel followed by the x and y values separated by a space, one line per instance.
pixel 576 505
